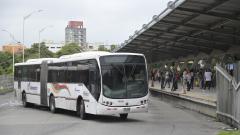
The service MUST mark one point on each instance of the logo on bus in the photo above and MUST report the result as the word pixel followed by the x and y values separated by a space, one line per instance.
pixel 57 87
pixel 33 88
pixel 120 101
pixel 77 89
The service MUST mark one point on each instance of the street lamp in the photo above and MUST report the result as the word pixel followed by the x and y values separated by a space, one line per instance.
pixel 39 34
pixel 11 35
pixel 24 18
pixel 13 51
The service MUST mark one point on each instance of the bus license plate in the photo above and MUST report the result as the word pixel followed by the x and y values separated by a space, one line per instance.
pixel 126 109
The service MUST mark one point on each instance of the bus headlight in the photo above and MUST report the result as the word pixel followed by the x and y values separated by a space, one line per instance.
pixel 107 103
pixel 145 101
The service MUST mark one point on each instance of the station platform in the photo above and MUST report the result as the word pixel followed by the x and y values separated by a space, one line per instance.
pixel 203 101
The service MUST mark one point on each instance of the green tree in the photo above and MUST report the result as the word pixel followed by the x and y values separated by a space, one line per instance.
pixel 33 52
pixel 5 63
pixel 102 48
pixel 18 57
pixel 112 47
pixel 69 49
pixel 30 53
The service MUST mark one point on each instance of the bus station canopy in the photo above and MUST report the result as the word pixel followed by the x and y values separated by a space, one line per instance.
pixel 188 27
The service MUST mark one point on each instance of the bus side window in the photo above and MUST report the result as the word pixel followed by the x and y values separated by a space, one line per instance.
pixel 32 73
pixel 57 73
pixel 25 75
pixel 38 74
pixel 16 73
pixel 52 76
pixel 61 76
pixel 81 75
pixel 92 81
pixel 84 78
pixel 19 73
pixel 69 73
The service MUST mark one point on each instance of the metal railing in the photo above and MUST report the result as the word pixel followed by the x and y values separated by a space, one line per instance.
pixel 228 97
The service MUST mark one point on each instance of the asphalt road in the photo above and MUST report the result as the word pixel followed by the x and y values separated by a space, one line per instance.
pixel 162 119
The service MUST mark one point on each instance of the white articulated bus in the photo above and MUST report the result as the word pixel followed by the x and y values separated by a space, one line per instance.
pixel 99 83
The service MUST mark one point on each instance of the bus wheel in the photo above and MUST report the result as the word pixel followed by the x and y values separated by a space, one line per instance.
pixel 82 112
pixel 52 104
pixel 123 116
pixel 24 100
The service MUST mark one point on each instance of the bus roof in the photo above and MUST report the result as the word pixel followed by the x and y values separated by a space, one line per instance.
pixel 73 57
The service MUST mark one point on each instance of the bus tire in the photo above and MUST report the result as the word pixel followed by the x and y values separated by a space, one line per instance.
pixel 82 112
pixel 24 100
pixel 123 116
pixel 52 105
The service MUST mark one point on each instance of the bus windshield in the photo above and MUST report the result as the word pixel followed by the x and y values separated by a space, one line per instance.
pixel 123 76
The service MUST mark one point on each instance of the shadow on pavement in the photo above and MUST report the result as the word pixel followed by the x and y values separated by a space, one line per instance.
pixel 97 118
pixel 116 119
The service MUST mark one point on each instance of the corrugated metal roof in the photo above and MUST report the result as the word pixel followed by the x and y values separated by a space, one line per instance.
pixel 188 27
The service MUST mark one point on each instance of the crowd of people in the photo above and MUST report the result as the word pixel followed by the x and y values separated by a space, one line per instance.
pixel 203 78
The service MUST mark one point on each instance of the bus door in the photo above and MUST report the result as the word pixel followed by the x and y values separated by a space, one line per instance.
pixel 43 83
pixel 94 80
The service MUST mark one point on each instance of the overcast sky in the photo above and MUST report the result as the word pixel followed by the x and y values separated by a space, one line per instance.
pixel 110 21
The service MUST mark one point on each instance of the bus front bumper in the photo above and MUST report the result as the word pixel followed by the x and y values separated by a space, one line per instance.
pixel 111 110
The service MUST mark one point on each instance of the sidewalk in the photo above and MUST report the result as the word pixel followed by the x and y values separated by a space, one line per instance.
pixel 196 94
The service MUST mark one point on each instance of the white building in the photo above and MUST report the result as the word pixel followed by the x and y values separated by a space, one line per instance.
pixel 54 47
pixel 94 46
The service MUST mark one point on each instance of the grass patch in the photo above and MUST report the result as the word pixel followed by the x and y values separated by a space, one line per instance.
pixel 229 133
pixel 3 91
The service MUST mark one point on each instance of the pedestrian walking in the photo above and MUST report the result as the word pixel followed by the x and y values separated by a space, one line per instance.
pixel 167 79
pixel 184 81
pixel 208 78
pixel 201 78
pixel 158 76
pixel 192 78
pixel 175 77
pixel 162 75
pixel 152 78
pixel 188 77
